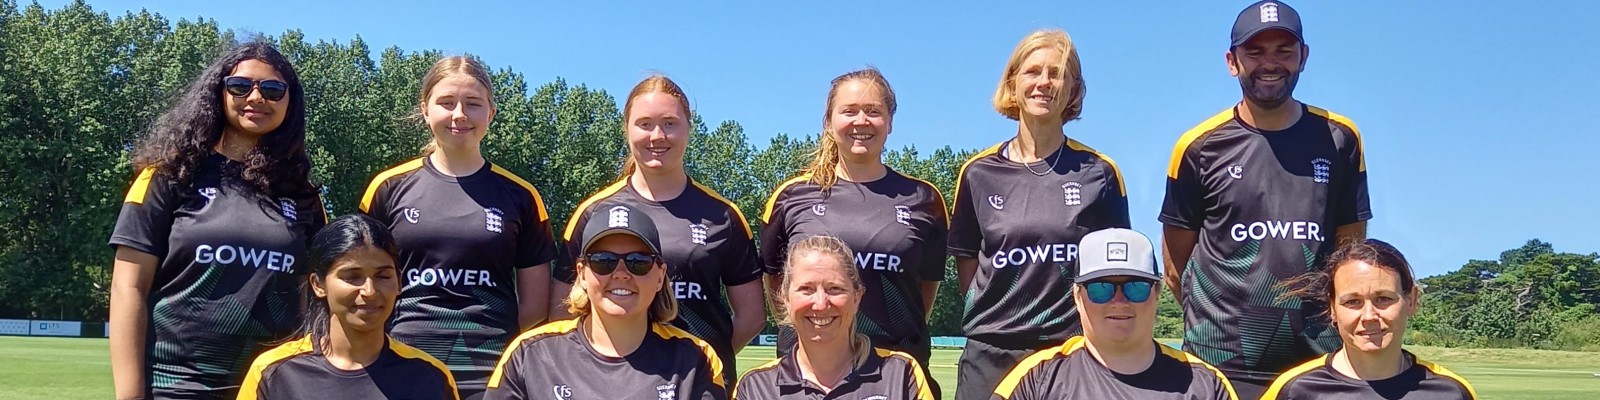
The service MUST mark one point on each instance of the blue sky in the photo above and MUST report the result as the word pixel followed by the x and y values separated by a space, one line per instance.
pixel 1471 111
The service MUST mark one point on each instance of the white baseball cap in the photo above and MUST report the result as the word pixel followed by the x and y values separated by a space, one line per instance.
pixel 1116 252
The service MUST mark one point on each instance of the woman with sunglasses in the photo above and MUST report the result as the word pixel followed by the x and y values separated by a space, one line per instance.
pixel 897 224
pixel 1371 294
pixel 1020 209
pixel 620 345
pixel 210 232
pixel 343 351
pixel 475 241
pixel 1117 356
pixel 820 296
pixel 707 242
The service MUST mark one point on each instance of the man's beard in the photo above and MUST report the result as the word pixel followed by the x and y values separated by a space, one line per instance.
pixel 1269 99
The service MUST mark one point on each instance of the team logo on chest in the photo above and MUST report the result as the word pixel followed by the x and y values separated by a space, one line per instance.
pixel 902 214
pixel 411 214
pixel 617 217
pixel 667 392
pixel 493 220
pixel 1320 169
pixel 1072 193
pixel 287 208
pixel 997 201
pixel 819 209
pixel 697 233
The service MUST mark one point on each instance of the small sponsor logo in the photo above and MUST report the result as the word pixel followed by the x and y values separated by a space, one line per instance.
pixel 562 392
pixel 819 209
pixel 1293 230
pixel 1073 193
pixel 411 214
pixel 902 214
pixel 1269 12
pixel 1117 251
pixel 697 233
pixel 876 397
pixel 617 217
pixel 1236 172
pixel 493 220
pixel 210 193
pixel 1321 168
pixel 997 201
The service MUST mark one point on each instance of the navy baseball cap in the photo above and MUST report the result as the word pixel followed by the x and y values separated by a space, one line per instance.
pixel 621 220
pixel 1263 16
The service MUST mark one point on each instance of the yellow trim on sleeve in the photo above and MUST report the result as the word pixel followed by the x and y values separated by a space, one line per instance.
pixel 923 393
pixel 1184 356
pixel 406 351
pixel 1343 120
pixel 1122 186
pixel 553 328
pixel 1283 379
pixel 1008 386
pixel 772 200
pixel 672 332
pixel 538 201
pixel 1446 372
pixel 572 223
pixel 744 223
pixel 760 368
pixel 962 173
pixel 1193 134
pixel 372 188
pixel 252 377
pixel 141 186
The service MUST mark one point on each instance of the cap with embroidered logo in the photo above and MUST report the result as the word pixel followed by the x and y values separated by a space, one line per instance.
pixel 1263 16
pixel 1116 252
pixel 621 220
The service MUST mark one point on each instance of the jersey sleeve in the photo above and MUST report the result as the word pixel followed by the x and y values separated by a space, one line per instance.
pixel 536 243
pixel 506 382
pixel 708 385
pixel 1113 201
pixel 775 233
pixel 1354 205
pixel 1183 206
pixel 966 237
pixel 1021 384
pixel 916 382
pixel 934 249
pixel 145 221
pixel 378 200
pixel 565 270
pixel 742 263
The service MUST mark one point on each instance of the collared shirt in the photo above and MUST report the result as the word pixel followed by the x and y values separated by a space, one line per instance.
pixel 885 375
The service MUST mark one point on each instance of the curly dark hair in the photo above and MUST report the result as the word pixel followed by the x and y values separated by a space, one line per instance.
pixel 184 135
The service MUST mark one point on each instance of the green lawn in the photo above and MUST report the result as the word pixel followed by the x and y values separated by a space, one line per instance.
pixel 63 368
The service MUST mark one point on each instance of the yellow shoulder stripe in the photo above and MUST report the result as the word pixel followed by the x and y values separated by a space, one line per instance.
pixel 1185 357
pixel 769 365
pixel 744 223
pixel 1194 134
pixel 1446 372
pixel 923 393
pixel 372 188
pixel 538 201
pixel 553 328
pixel 572 222
pixel 937 195
pixel 252 377
pixel 1122 186
pixel 406 351
pixel 1009 385
pixel 141 186
pixel 1283 380
pixel 766 216
pixel 672 332
pixel 962 173
pixel 1348 124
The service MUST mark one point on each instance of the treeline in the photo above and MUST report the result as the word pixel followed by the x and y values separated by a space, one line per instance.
pixel 79 87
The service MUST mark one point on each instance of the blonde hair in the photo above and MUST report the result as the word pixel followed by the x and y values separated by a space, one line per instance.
pixel 654 84
pixel 1005 101
pixel 827 246
pixel 826 156
pixel 663 308
pixel 445 68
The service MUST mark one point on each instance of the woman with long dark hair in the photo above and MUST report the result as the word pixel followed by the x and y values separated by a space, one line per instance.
pixel 212 229
pixel 344 351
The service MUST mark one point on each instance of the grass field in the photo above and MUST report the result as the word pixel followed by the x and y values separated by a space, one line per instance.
pixel 62 368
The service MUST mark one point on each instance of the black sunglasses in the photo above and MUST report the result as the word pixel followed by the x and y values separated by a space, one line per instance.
pixel 604 262
pixel 271 89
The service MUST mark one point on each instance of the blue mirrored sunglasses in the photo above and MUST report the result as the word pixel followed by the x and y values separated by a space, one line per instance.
pixel 1101 292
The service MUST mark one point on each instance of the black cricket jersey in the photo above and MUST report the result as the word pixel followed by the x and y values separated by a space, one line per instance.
pixel 555 361
pixel 1316 379
pixel 706 243
pixel 231 264
pixel 293 371
pixel 1024 230
pixel 1072 372
pixel 1266 205
pixel 461 240
pixel 897 227
pixel 885 375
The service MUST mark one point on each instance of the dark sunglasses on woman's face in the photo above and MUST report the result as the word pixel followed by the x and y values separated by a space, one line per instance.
pixel 1101 292
pixel 271 89
pixel 604 262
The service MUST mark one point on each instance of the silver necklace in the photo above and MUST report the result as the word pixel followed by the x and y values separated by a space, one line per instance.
pixel 1030 167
